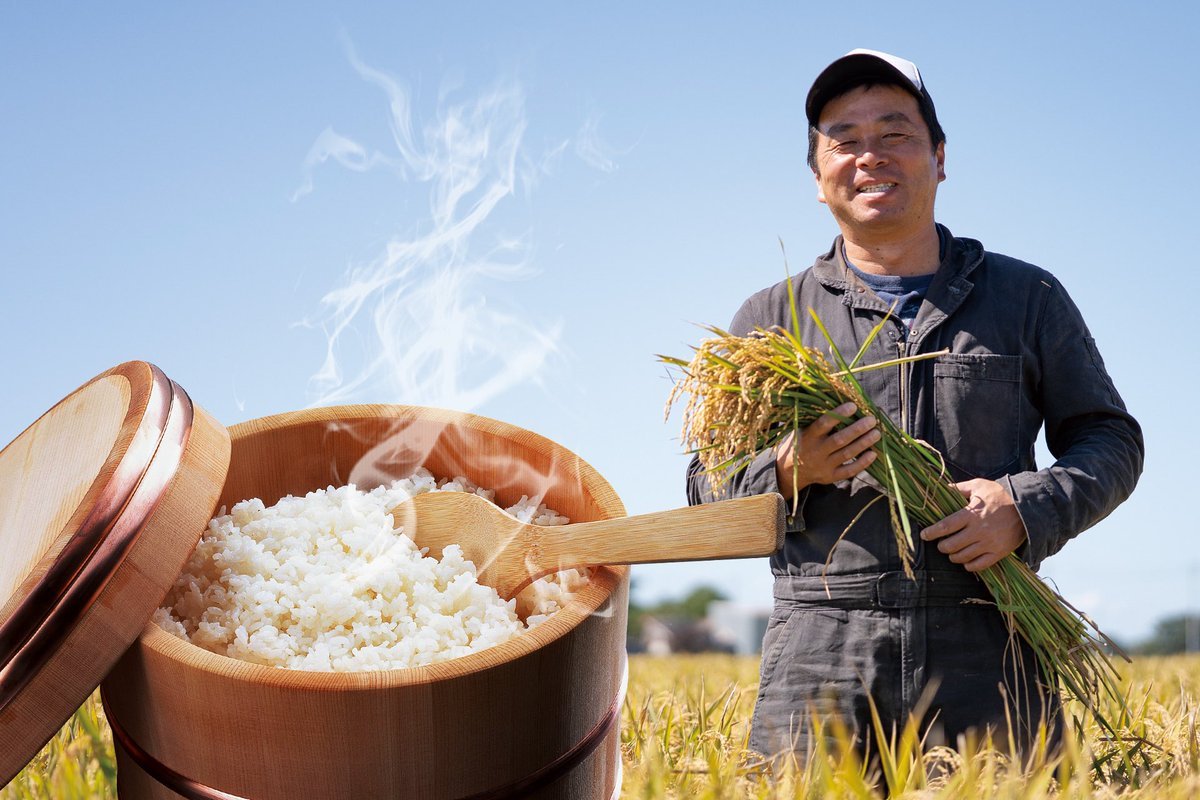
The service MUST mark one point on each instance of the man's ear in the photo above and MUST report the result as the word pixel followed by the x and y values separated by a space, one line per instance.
pixel 820 191
pixel 940 154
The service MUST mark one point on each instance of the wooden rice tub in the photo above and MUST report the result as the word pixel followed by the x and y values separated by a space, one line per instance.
pixel 534 717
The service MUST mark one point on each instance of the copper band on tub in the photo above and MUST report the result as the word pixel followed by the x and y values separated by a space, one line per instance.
pixel 542 778
pixel 160 772
pixel 31 616
pixel 32 611
pixel 569 760
pixel 94 554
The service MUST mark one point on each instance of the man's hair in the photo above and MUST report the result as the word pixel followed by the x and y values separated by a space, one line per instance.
pixel 936 134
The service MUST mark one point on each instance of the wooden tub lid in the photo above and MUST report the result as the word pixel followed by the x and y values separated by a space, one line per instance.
pixel 82 563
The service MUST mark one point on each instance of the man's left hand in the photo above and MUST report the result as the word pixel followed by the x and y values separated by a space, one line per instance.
pixel 984 532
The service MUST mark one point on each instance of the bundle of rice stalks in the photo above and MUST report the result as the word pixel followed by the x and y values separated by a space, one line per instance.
pixel 749 393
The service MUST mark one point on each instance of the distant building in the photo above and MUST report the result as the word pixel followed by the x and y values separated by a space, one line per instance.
pixel 665 635
pixel 656 636
pixel 737 627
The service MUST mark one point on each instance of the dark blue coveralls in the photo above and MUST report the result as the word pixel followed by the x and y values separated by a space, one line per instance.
pixel 1020 358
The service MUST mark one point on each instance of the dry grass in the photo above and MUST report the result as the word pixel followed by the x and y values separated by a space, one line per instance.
pixel 684 733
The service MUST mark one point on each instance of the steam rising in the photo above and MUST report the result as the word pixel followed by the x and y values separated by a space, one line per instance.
pixel 414 325
pixel 592 149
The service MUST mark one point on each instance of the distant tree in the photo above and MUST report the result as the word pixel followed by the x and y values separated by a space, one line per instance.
pixel 692 607
pixel 633 626
pixel 1171 636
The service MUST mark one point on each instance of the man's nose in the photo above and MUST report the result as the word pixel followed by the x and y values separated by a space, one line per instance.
pixel 871 156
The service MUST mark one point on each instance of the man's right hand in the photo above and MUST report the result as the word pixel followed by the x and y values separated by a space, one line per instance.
pixel 827 454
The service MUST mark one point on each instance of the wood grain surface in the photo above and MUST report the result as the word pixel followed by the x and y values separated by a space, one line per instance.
pixel 446 730
pixel 46 472
pixel 509 554
pixel 155 492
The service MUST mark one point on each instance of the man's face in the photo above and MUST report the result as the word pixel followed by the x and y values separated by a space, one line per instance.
pixel 877 169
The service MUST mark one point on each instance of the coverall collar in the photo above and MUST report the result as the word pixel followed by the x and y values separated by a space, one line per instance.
pixel 949 289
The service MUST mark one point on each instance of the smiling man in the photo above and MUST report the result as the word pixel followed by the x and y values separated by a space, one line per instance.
pixel 849 627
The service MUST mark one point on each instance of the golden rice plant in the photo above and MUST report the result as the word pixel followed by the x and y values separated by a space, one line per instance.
pixel 686 725
pixel 76 764
pixel 684 731
pixel 749 393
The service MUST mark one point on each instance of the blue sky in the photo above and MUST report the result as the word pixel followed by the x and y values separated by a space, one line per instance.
pixel 184 183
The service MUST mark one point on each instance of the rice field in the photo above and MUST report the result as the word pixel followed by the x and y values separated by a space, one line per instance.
pixel 684 731
pixel 687 721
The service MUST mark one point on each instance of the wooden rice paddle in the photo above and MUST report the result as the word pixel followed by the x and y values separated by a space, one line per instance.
pixel 510 554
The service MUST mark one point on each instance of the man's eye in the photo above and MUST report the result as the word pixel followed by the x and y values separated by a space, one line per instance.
pixel 895 136
pixel 846 144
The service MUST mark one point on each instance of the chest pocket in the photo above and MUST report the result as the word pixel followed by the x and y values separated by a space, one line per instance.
pixel 976 400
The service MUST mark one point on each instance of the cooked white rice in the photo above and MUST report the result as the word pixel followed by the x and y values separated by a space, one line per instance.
pixel 325 582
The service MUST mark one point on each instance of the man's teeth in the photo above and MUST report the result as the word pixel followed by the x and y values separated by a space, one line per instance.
pixel 877 187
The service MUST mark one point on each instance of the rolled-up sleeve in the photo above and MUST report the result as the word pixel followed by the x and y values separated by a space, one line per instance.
pixel 1097 445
